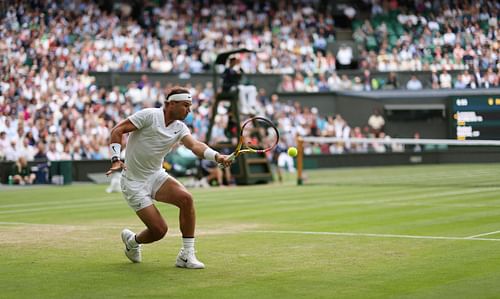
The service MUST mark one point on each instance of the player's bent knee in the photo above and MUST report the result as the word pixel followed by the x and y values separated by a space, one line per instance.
pixel 186 200
pixel 158 231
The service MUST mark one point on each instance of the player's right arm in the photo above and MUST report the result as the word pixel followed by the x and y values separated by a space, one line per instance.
pixel 123 127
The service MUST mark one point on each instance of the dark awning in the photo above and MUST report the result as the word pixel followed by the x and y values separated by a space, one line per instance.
pixel 222 57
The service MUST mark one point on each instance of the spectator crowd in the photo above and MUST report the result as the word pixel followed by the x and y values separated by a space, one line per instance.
pixel 52 108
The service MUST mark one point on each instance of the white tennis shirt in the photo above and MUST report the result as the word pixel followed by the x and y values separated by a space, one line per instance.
pixel 150 143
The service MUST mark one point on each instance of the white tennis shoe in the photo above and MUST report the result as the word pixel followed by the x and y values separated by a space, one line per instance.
pixel 133 253
pixel 187 259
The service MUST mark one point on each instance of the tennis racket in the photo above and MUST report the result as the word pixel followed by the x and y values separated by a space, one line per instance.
pixel 257 135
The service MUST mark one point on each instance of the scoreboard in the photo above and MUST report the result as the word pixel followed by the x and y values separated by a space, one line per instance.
pixel 475 117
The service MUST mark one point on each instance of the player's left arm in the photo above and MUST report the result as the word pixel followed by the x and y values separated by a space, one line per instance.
pixel 203 151
pixel 116 138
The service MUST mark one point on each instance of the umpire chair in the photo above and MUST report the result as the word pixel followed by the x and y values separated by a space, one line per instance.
pixel 247 169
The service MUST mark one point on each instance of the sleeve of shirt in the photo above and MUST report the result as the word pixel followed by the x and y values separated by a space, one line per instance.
pixel 184 131
pixel 142 118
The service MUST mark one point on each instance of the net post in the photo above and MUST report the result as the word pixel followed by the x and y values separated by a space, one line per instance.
pixel 300 147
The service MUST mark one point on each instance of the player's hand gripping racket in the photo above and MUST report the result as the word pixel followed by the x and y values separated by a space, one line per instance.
pixel 257 135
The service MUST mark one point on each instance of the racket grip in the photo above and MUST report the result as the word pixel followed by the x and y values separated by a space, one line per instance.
pixel 231 158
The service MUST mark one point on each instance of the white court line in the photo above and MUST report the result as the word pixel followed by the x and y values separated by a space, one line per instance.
pixel 368 235
pixel 485 234
pixel 471 238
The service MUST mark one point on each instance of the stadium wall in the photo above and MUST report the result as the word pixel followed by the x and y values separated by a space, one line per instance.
pixel 385 159
pixel 405 111
pixel 269 82
pixel 78 171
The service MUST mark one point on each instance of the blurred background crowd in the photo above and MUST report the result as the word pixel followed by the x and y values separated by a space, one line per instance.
pixel 51 106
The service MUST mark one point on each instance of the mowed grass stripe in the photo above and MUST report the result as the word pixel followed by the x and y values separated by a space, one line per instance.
pixel 59 202
pixel 49 193
pixel 286 197
pixel 321 203
pixel 445 175
pixel 298 193
pixel 257 192
pixel 61 207
pixel 426 171
pixel 377 210
pixel 296 201
pixel 291 197
pixel 373 214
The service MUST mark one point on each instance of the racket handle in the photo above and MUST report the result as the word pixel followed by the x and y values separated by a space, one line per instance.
pixel 231 158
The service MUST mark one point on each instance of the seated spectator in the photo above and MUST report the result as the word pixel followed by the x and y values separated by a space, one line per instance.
pixel 477 79
pixel 21 174
pixel 287 84
pixel 445 79
pixel 334 82
pixel 10 152
pixel 323 83
pixel 435 83
pixel 467 78
pixel 414 83
pixel 299 83
pixel 210 171
pixel 391 82
pixel 460 83
pixel 345 83
pixel 41 154
pixel 357 85
pixel 4 144
pixel 490 78
pixel 368 80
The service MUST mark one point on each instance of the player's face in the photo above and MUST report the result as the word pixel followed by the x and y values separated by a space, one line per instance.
pixel 181 109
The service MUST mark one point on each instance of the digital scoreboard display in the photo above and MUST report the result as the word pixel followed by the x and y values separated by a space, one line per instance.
pixel 475 117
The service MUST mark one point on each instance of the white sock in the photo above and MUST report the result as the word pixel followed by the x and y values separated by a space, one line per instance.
pixel 188 243
pixel 133 242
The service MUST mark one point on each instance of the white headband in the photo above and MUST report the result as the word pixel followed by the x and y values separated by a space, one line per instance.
pixel 180 97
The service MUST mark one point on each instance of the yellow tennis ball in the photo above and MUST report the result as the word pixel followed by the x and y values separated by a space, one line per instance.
pixel 292 151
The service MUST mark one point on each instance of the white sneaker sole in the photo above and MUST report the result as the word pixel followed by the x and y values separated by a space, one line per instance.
pixel 182 264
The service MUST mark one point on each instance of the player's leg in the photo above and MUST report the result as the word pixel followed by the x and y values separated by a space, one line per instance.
pixel 227 175
pixel 219 177
pixel 17 179
pixel 138 196
pixel 32 178
pixel 156 227
pixel 175 193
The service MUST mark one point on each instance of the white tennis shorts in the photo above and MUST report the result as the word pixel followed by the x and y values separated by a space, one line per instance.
pixel 140 195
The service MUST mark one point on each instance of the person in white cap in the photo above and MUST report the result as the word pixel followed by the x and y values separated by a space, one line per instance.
pixel 153 133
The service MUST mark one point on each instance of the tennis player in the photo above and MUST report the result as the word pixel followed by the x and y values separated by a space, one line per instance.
pixel 153 133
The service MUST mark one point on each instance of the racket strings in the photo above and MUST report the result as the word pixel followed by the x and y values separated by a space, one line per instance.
pixel 259 135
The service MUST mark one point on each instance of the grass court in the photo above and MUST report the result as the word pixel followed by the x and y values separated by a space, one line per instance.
pixel 379 232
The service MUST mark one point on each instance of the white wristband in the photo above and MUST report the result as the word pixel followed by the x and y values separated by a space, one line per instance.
pixel 210 154
pixel 115 149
